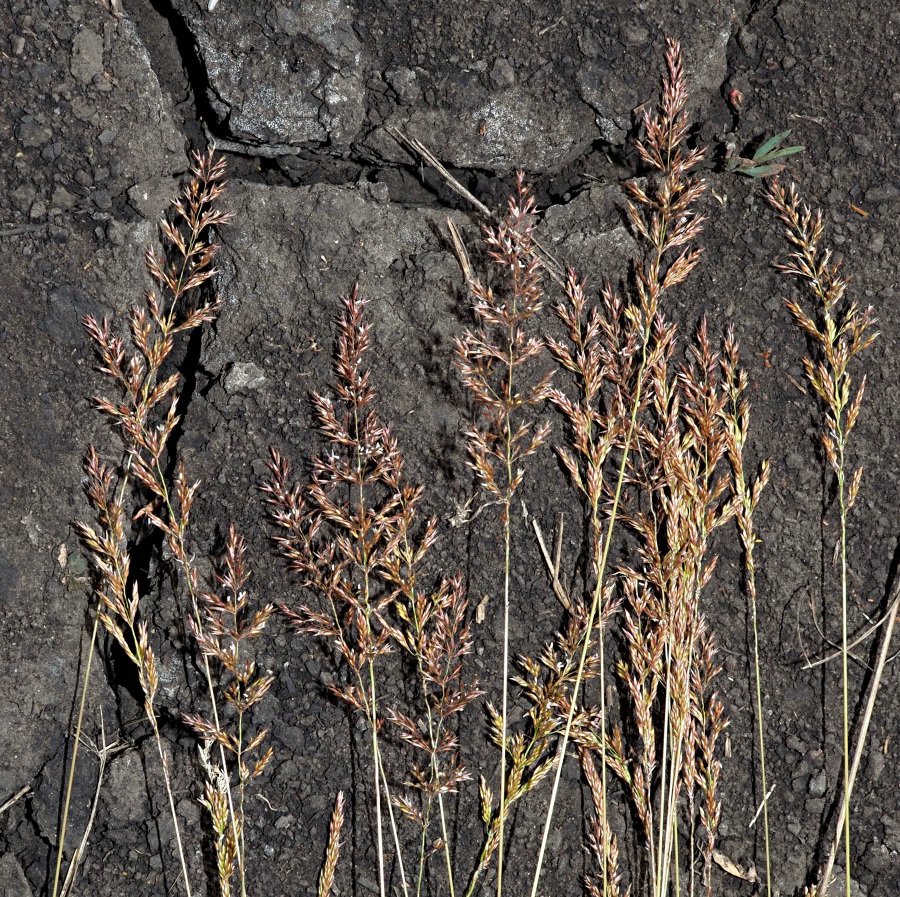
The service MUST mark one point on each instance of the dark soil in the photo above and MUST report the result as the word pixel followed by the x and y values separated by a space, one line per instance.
pixel 100 112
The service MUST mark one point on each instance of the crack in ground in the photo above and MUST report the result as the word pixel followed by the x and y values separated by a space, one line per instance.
pixel 181 71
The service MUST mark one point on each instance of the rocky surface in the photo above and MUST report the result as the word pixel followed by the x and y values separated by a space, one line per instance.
pixel 99 112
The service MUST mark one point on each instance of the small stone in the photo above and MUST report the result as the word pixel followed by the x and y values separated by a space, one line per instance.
pixel 861 144
pixel 32 133
pixel 635 35
pixel 747 41
pixel 405 83
pixel 875 766
pixel 83 178
pixel 149 198
pixel 38 209
pixel 106 137
pixel 102 200
pixel 502 74
pixel 18 44
pixel 62 200
pixel 876 244
pixel 87 55
pixel 882 193
pixel 117 232
pixel 380 192
pixel 287 20
pixel 818 784
pixel 243 375
pixel 23 196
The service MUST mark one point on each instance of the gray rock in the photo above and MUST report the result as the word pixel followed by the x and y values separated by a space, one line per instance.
pixel 243 375
pixel 87 55
pixel 282 95
pixel 302 81
pixel 32 132
pixel 818 784
pixel 405 83
pixel 12 879
pixel 498 130
pixel 502 74
pixel 152 197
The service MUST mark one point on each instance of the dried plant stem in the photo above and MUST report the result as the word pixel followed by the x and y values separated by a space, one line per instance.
pixel 70 780
pixel 104 752
pixel 505 674
pixel 376 770
pixel 845 651
pixel 825 877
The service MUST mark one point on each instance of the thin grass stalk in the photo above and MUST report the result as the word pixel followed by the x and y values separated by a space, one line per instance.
pixel 839 333
pixel 747 495
pixel 70 780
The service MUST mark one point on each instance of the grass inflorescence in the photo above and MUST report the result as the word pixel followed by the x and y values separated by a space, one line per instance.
pixel 652 435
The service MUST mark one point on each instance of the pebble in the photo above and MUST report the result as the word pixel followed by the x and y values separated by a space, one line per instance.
pixel 102 200
pixel 87 55
pixel 62 200
pixel 243 375
pixel 818 784
pixel 18 44
pixel 882 193
pixel 502 74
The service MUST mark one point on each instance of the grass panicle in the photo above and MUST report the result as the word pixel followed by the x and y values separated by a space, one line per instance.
pixel 229 625
pixel 654 441
pixel 613 354
pixel 353 536
pixel 491 360
pixel 145 413
pixel 837 331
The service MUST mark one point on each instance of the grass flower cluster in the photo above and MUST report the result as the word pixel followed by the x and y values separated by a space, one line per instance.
pixel 652 436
